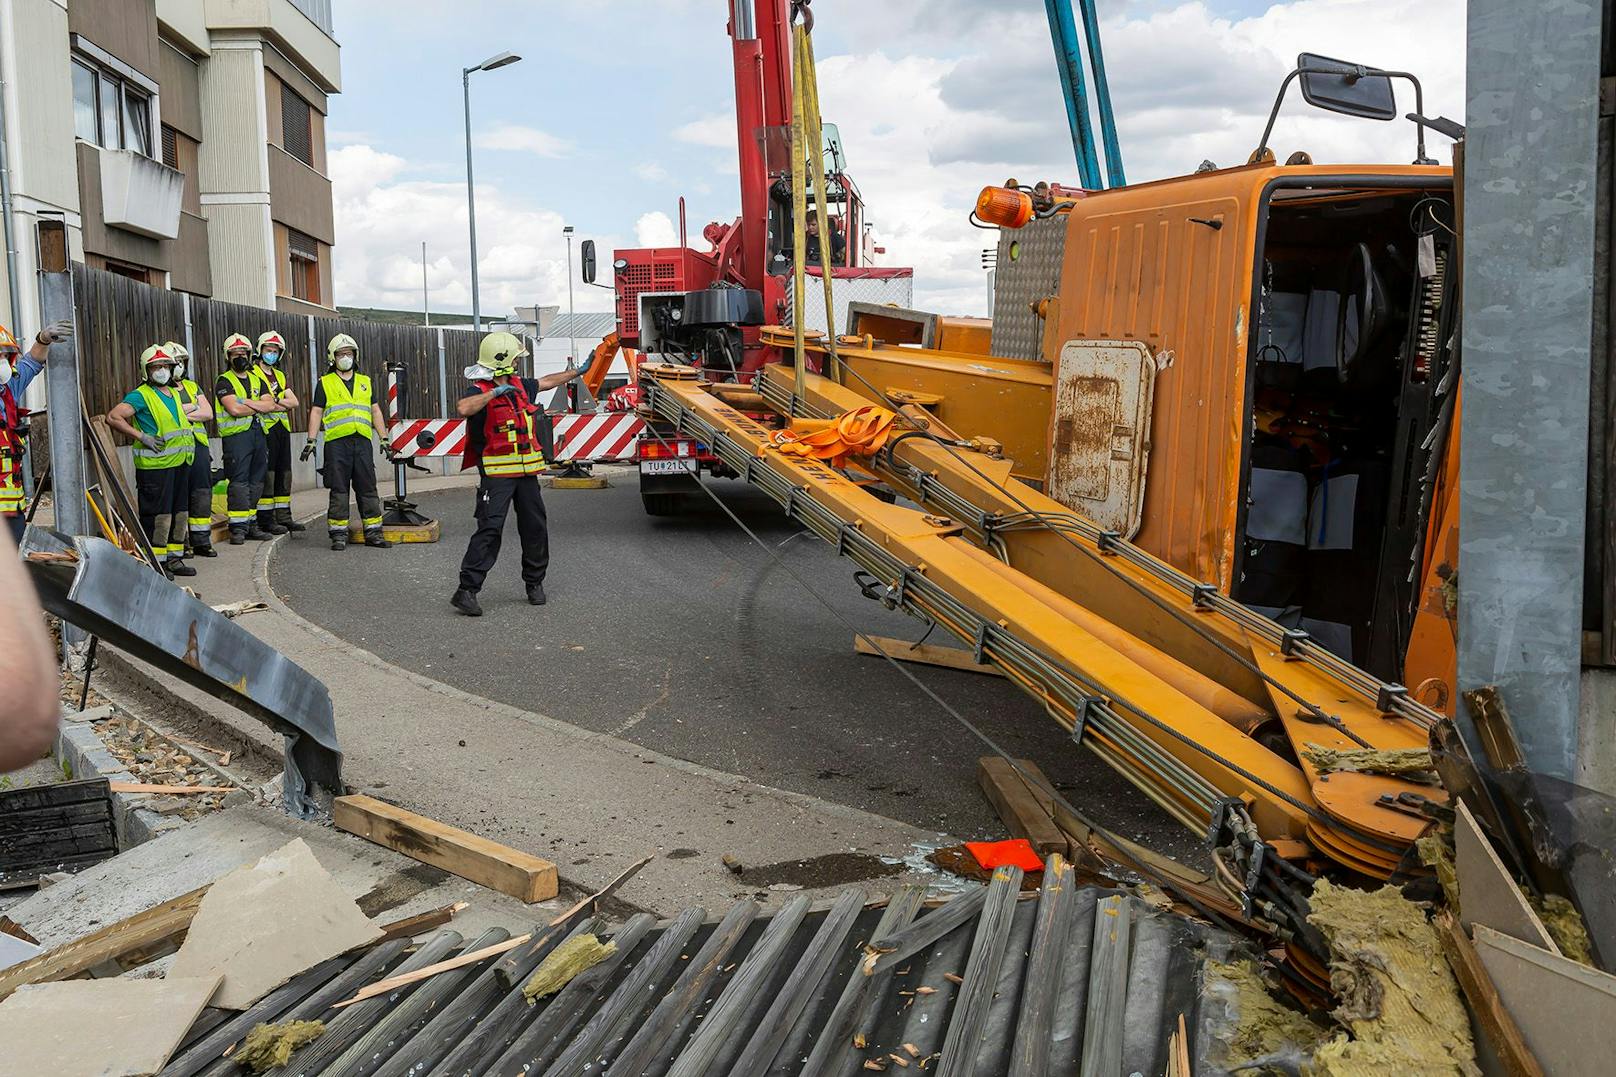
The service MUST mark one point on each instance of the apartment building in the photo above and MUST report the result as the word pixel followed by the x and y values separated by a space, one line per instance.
pixel 181 141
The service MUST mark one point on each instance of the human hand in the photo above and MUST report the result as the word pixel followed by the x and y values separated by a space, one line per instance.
pixel 55 332
pixel 504 390
pixel 308 451
pixel 151 442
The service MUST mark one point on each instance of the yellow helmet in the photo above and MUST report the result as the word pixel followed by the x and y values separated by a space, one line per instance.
pixel 271 337
pixel 234 341
pixel 8 343
pixel 339 342
pixel 157 353
pixel 499 352
pixel 177 350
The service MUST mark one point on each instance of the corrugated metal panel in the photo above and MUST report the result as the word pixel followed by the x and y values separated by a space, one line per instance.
pixel 989 981
pixel 1174 270
pixel 45 167
pixel 233 157
pixel 588 325
pixel 239 252
pixel 1028 269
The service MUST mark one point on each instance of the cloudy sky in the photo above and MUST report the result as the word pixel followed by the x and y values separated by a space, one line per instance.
pixel 618 107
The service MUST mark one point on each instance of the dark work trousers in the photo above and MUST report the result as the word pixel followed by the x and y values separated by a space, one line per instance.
pixel 199 499
pixel 246 457
pixel 351 461
pixel 162 494
pixel 275 500
pixel 16 524
pixel 494 497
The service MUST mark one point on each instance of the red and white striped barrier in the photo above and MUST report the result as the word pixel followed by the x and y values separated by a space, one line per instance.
pixel 448 437
pixel 597 437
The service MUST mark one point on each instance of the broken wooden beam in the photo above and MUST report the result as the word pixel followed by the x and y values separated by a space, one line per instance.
pixel 1024 809
pixel 499 867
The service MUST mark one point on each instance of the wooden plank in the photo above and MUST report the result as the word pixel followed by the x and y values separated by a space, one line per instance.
pixel 411 926
pixel 1497 1025
pixel 498 867
pixel 1023 809
pixel 173 790
pixel 403 979
pixel 926 654
pixel 161 923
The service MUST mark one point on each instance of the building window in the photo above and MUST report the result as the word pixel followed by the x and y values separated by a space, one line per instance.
pixel 304 251
pixel 297 126
pixel 133 272
pixel 110 110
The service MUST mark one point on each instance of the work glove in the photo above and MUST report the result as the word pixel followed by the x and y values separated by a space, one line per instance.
pixel 308 451
pixel 589 362
pixel 151 442
pixel 504 390
pixel 55 332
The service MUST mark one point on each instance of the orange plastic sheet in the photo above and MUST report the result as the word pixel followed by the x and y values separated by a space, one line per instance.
pixel 1017 852
pixel 862 432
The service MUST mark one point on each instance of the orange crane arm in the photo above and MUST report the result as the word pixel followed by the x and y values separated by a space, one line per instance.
pixel 601 361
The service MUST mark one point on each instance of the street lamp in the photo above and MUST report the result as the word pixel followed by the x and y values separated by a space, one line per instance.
pixel 572 314
pixel 503 59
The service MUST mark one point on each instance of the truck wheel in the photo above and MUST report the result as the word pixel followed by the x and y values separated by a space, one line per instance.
pixel 662 504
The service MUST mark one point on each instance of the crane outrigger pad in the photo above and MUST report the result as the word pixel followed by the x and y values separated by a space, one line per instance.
pixel 90 583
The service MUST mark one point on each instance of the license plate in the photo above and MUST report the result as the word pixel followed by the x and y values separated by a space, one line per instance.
pixel 685 466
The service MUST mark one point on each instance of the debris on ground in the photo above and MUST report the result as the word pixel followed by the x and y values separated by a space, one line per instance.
pixel 1413 763
pixel 1436 853
pixel 1263 1033
pixel 269 1046
pixel 90 1028
pixel 572 958
pixel 154 759
pixel 1396 994
pixel 236 609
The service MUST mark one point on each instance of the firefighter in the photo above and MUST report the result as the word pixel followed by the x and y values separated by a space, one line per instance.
pixel 165 445
pixel 16 372
pixel 502 413
pixel 351 418
pixel 275 502
pixel 245 400
pixel 199 484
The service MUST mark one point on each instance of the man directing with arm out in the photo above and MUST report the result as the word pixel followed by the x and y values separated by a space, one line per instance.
pixel 502 416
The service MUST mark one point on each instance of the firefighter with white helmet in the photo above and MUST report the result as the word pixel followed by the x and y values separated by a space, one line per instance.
pixel 17 370
pixel 245 401
pixel 502 416
pixel 153 417
pixel 199 484
pixel 346 411
pixel 275 501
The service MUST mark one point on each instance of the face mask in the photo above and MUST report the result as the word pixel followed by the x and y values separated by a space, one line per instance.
pixel 179 371
pixel 271 358
pixel 161 375
pixel 6 371
pixel 344 362
pixel 239 362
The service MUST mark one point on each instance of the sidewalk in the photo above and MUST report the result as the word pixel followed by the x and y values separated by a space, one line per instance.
pixel 590 802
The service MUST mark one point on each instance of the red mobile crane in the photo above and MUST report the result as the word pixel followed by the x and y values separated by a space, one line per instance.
pixel 707 307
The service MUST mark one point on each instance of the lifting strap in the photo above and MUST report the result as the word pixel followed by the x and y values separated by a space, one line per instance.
pixel 808 148
pixel 862 432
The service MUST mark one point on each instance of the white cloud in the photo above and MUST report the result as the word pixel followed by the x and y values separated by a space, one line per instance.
pixel 717 130
pixel 522 139
pixel 655 229
pixel 651 172
pixel 384 210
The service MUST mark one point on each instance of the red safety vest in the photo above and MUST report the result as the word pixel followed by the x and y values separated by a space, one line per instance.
pixel 11 498
pixel 509 445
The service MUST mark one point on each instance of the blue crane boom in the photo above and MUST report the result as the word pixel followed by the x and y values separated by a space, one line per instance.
pixel 1069 61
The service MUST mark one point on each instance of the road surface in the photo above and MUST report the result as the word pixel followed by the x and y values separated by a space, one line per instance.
pixel 683 636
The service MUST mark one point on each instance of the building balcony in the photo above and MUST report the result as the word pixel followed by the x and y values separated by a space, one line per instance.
pixel 139 194
pixel 301 28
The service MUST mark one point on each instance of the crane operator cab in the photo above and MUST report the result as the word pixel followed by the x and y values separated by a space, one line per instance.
pixel 1249 369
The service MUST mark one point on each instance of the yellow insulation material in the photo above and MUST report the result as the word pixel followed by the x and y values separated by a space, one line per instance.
pixel 577 955
pixel 1413 763
pixel 269 1046
pixel 1397 995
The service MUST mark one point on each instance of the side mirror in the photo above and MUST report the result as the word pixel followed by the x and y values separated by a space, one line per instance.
pixel 1350 89
pixel 587 260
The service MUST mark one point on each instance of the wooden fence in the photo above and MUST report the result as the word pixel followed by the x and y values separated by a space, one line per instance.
pixel 119 318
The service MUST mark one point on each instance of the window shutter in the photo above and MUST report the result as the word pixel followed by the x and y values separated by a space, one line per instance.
pixel 297 136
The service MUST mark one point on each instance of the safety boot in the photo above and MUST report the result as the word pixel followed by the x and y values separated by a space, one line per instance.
pixel 176 567
pixel 238 536
pixel 535 594
pixel 204 550
pixel 466 602
pixel 377 540
pixel 339 540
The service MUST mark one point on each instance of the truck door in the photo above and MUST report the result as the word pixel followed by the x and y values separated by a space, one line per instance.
pixel 1100 431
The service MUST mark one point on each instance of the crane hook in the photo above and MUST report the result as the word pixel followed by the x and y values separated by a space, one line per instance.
pixel 801 10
